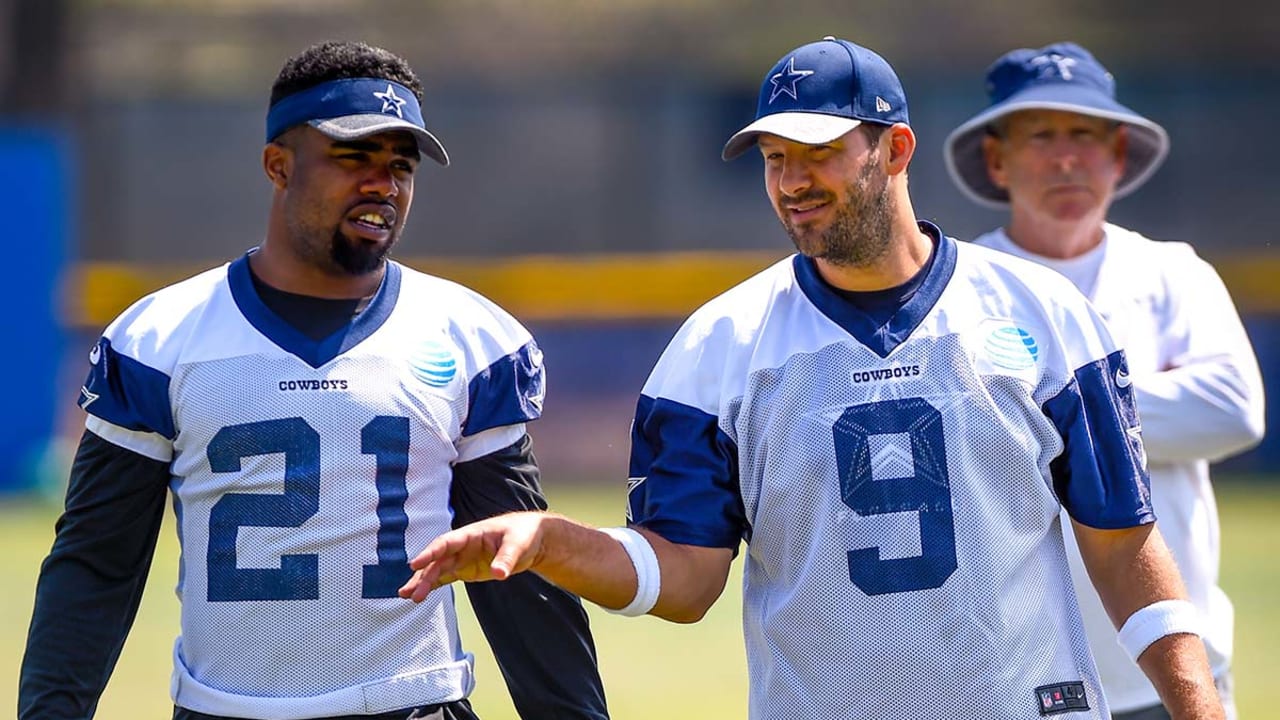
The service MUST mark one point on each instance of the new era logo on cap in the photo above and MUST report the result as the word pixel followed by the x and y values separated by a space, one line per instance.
pixel 820 91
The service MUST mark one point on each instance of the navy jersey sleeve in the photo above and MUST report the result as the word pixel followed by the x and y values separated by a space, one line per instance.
pixel 684 476
pixel 91 583
pixel 539 632
pixel 1101 477
pixel 509 391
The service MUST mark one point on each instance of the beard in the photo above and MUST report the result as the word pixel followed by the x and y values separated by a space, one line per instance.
pixel 337 254
pixel 357 257
pixel 859 235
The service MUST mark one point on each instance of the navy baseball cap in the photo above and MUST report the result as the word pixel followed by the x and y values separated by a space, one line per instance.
pixel 353 108
pixel 820 91
pixel 1062 76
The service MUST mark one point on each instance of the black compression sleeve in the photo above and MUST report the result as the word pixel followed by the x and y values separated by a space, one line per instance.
pixel 91 583
pixel 538 632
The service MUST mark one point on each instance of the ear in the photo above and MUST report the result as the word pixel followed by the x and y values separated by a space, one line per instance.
pixel 993 154
pixel 900 141
pixel 277 163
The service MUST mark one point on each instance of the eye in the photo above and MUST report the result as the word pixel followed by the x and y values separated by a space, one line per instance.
pixel 403 166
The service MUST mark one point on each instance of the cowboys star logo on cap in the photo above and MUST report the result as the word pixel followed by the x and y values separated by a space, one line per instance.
pixel 390 101
pixel 1054 63
pixel 784 83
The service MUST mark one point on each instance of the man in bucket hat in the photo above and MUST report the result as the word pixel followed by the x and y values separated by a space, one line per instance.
pixel 1054 147
pixel 892 421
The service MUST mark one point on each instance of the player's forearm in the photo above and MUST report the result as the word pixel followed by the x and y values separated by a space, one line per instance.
pixel 91 584
pixel 542 642
pixel 593 565
pixel 1130 568
pixel 1179 669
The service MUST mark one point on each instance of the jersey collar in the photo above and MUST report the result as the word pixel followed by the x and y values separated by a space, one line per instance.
pixel 313 352
pixel 881 339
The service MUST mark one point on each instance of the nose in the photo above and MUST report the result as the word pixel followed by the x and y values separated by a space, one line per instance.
pixel 380 182
pixel 794 178
pixel 1066 154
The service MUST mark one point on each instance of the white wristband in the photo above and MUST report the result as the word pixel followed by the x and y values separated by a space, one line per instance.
pixel 648 574
pixel 1166 617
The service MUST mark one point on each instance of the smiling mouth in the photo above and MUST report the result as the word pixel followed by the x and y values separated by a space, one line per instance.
pixel 371 220
pixel 802 213
pixel 374 221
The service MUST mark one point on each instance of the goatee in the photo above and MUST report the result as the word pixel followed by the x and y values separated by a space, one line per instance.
pixel 859 235
pixel 356 257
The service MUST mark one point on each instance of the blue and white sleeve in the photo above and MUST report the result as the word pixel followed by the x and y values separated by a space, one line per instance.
pixel 127 400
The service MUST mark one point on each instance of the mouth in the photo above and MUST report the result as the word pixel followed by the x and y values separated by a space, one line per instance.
pixel 372 221
pixel 801 212
pixel 1068 187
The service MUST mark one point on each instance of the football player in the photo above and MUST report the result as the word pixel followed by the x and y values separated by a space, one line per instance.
pixel 314 409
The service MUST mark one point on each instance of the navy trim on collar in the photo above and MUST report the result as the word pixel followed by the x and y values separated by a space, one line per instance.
pixel 881 339
pixel 313 352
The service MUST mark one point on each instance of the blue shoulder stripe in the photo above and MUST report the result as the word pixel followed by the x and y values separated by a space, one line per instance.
pixel 1101 476
pixel 124 392
pixel 684 476
pixel 507 392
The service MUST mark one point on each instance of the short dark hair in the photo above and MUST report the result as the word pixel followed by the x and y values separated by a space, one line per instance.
pixel 338 60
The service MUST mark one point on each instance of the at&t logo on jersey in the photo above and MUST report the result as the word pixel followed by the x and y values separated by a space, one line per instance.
pixel 1011 347
pixel 434 364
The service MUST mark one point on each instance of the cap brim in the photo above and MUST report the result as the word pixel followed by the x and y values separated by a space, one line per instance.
pixel 354 127
pixel 801 127
pixel 1147 147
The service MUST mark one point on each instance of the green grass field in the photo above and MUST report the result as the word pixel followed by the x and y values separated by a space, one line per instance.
pixel 646 663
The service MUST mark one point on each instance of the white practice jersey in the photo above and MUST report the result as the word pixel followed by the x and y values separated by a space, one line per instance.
pixel 1200 399
pixel 899 485
pixel 304 475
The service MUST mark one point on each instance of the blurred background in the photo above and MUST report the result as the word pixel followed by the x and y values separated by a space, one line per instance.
pixel 586 193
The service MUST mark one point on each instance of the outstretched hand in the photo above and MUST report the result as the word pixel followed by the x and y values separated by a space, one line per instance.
pixel 492 549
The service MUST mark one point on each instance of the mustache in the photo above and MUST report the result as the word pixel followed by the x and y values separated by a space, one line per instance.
pixel 811 196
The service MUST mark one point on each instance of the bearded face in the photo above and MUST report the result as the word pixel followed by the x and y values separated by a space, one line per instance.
pixel 854 232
